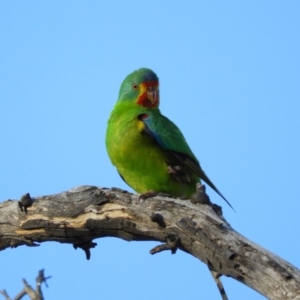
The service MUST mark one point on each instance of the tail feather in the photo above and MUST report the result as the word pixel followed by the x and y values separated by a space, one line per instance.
pixel 197 169
pixel 204 177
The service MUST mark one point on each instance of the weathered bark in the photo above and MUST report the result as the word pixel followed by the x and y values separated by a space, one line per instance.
pixel 85 213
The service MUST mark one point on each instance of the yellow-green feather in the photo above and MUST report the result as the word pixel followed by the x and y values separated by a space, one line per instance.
pixel 139 159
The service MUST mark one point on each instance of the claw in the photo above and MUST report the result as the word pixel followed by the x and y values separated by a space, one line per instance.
pixel 147 195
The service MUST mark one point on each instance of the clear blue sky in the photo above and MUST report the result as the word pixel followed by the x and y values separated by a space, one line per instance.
pixel 230 79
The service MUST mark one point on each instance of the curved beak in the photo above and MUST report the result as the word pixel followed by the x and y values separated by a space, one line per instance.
pixel 152 94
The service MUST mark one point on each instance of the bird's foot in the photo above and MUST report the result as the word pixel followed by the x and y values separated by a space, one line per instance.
pixel 151 194
pixel 147 195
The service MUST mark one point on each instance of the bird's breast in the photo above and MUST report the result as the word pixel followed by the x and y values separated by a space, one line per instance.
pixel 126 140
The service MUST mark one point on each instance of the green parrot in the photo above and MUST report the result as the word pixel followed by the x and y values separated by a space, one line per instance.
pixel 148 150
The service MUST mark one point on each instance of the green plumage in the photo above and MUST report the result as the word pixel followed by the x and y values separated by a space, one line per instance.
pixel 148 150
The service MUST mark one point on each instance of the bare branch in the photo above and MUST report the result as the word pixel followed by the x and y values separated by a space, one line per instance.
pixel 4 293
pixel 28 290
pixel 83 214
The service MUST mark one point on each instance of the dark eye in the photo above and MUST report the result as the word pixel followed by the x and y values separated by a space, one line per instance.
pixel 134 86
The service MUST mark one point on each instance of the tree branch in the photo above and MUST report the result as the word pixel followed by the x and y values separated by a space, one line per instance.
pixel 28 290
pixel 83 214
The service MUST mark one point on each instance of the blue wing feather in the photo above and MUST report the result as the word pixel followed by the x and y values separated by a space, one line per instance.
pixel 169 137
pixel 167 134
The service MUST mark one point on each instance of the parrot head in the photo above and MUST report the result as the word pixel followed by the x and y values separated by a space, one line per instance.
pixel 141 86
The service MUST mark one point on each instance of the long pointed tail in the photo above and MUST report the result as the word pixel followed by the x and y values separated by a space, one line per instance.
pixel 207 181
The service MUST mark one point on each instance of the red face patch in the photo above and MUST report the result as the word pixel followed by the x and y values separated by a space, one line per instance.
pixel 150 94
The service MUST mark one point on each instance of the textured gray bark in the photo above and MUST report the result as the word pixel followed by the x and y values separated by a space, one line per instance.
pixel 85 213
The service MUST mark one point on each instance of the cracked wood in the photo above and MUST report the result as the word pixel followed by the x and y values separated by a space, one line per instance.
pixel 85 213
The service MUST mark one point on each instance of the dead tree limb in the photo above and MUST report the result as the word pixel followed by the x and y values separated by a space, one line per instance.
pixel 28 290
pixel 82 214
